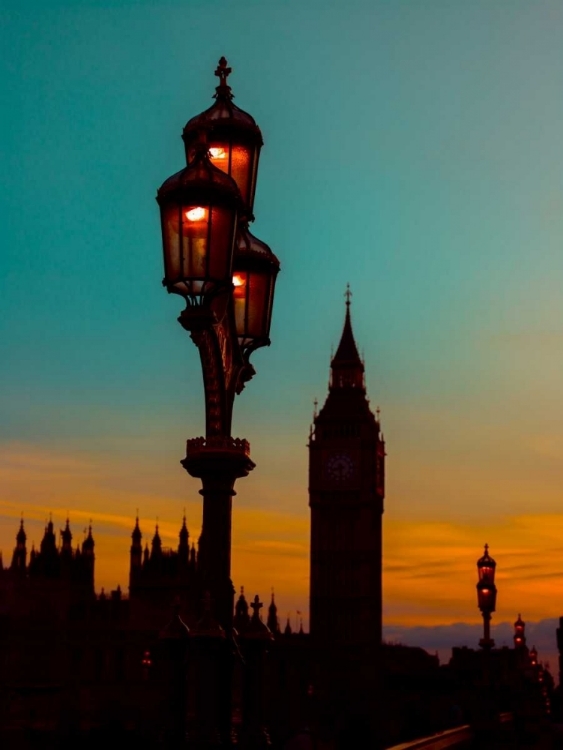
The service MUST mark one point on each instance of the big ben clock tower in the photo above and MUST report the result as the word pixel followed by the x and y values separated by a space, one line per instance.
pixel 346 490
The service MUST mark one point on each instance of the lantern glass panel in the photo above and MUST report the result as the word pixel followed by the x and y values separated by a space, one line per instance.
pixel 486 573
pixel 171 241
pixel 240 169
pixel 487 599
pixel 198 246
pixel 252 298
pixel 195 243
pixel 240 294
pixel 236 160
pixel 224 231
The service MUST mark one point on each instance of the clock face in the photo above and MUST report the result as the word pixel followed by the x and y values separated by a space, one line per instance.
pixel 339 467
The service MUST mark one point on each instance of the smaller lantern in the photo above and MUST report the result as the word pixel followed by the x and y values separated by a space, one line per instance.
pixel 486 589
pixel 519 636
pixel 486 567
pixel 199 210
pixel 255 269
pixel 533 657
pixel 232 135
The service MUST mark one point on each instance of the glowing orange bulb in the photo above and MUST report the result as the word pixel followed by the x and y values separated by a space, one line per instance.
pixel 196 214
pixel 218 153
pixel 238 281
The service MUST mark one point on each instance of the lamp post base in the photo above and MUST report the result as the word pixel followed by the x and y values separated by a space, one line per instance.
pixel 219 461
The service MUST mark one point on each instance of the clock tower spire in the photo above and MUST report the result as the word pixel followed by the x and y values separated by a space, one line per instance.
pixel 346 492
pixel 347 369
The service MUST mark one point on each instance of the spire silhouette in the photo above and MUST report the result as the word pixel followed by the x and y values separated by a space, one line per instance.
pixel 137 536
pixel 347 369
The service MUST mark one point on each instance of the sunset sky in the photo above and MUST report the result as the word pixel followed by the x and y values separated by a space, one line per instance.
pixel 412 149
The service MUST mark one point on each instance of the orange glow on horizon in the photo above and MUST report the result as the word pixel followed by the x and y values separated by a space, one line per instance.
pixel 429 573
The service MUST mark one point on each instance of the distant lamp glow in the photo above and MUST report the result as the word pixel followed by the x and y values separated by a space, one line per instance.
pixel 196 214
pixel 146 661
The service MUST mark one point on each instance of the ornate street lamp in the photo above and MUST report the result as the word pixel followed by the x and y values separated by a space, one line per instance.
pixel 227 278
pixel 486 595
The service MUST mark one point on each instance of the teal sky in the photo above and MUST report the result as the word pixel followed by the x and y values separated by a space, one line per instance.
pixel 412 149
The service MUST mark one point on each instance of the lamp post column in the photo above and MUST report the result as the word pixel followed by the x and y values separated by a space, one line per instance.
pixel 218 462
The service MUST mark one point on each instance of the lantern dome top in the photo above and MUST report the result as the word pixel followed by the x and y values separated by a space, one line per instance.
pixel 519 622
pixel 486 561
pixel 250 247
pixel 223 111
pixel 200 173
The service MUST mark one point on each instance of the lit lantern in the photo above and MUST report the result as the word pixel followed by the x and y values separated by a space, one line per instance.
pixel 533 656
pixel 519 637
pixel 199 209
pixel 255 269
pixel 486 589
pixel 233 138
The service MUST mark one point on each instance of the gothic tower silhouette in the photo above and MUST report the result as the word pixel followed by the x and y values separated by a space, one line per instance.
pixel 346 490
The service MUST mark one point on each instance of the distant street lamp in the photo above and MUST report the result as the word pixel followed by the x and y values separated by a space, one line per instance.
pixel 486 595
pixel 519 636
pixel 226 277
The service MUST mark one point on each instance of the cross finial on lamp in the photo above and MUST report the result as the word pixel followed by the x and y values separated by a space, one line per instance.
pixel 222 72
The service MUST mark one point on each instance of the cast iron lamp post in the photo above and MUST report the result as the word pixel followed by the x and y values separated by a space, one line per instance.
pixel 486 595
pixel 226 277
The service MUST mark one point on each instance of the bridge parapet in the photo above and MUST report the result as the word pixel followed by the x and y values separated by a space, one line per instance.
pixel 459 737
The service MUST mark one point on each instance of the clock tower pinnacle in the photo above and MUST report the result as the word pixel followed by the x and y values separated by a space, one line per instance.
pixel 346 491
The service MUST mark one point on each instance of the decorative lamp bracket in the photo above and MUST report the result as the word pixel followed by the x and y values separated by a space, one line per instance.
pixel 225 366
